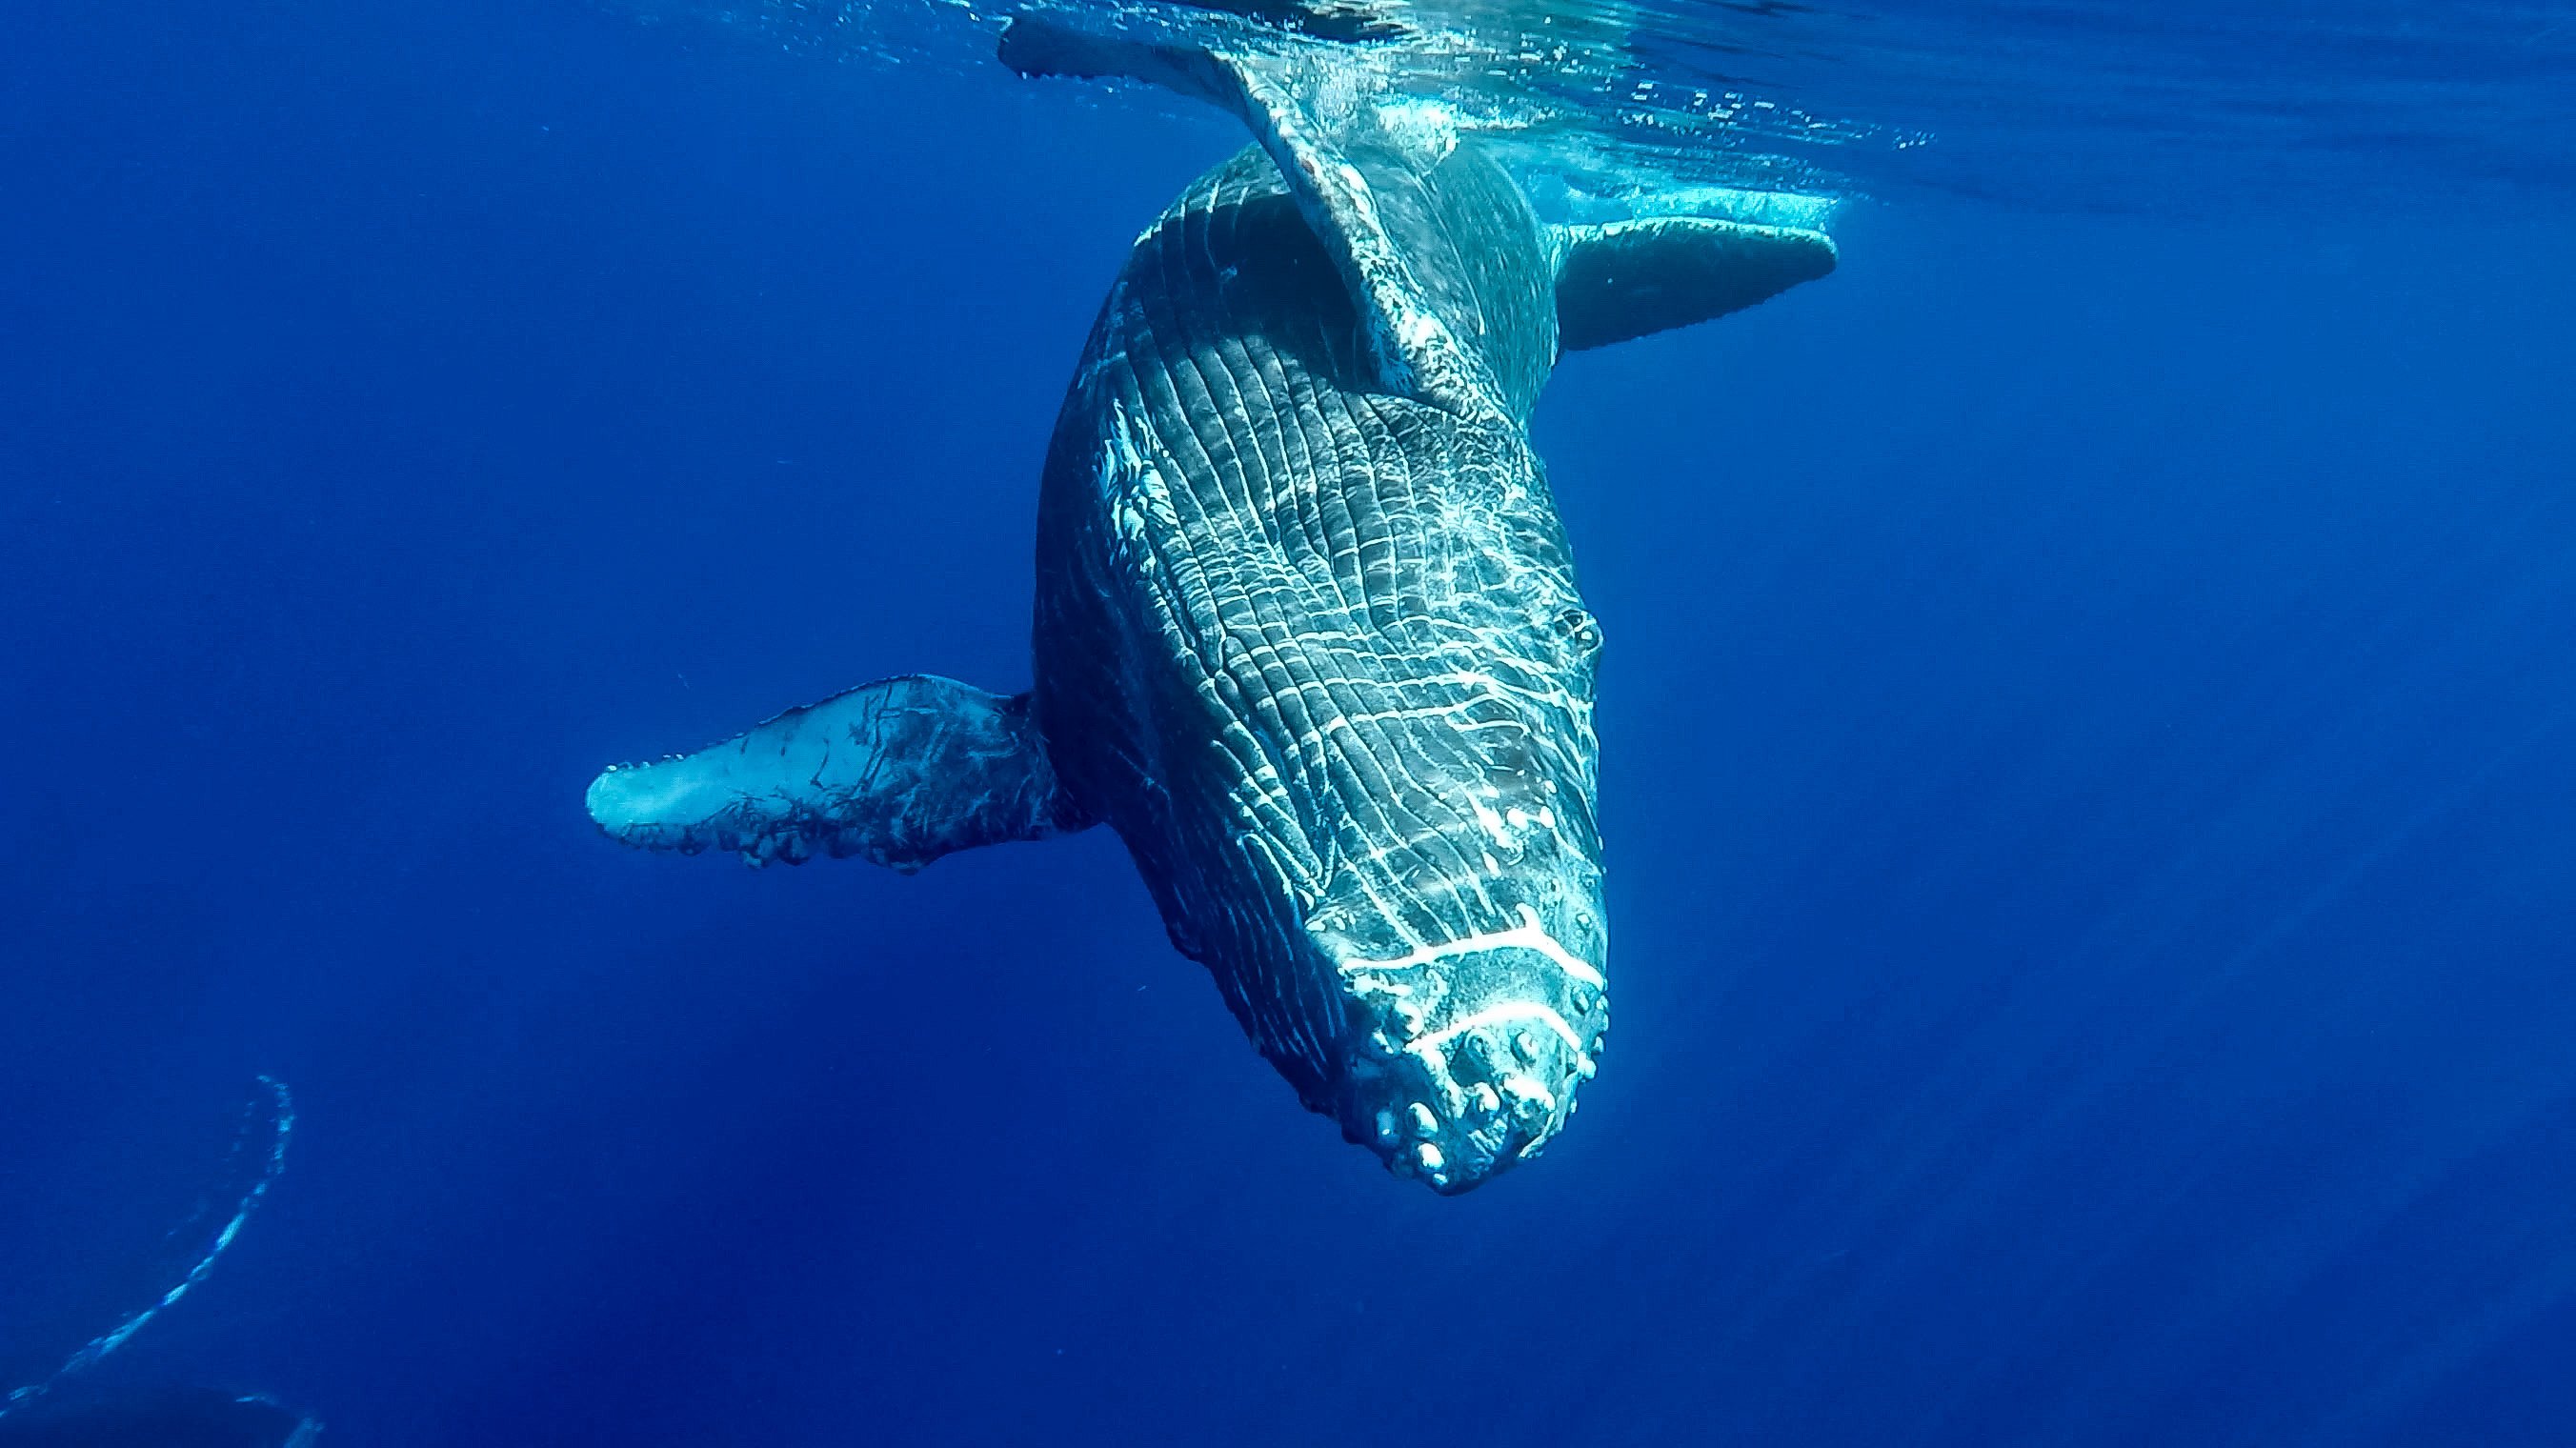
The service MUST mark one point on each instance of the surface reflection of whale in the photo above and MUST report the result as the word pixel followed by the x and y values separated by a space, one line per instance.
pixel 1307 632
pixel 1324 19
pixel 67 1408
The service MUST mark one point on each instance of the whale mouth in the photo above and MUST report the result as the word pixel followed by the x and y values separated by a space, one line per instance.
pixel 1459 1058
pixel 1456 1106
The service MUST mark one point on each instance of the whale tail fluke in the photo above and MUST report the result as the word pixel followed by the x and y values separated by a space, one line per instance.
pixel 1367 174
pixel 900 772
pixel 1038 45
pixel 1365 189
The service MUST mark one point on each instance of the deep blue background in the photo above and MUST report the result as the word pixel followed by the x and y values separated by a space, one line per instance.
pixel 2087 767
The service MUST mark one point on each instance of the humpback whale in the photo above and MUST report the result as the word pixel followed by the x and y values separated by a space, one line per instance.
pixel 1307 635
pixel 58 1411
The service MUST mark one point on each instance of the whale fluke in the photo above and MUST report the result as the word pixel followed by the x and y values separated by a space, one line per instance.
pixel 1444 324
pixel 900 771
pixel 1368 179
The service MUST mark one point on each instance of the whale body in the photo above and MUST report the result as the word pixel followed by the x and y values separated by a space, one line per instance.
pixel 1307 633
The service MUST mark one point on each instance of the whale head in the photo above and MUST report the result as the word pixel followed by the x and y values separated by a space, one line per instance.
pixel 1475 1001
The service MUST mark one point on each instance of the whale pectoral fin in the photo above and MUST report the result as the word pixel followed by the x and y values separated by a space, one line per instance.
pixel 1349 176
pixel 901 772
pixel 1629 279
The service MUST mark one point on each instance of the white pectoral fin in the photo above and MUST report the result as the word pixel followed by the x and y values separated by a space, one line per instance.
pixel 900 772
pixel 1629 279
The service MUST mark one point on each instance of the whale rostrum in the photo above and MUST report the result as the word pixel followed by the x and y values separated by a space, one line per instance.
pixel 1307 634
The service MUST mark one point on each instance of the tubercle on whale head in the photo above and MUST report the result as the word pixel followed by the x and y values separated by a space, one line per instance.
pixel 1464 1057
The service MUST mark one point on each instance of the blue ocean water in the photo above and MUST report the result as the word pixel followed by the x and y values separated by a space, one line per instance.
pixel 2089 734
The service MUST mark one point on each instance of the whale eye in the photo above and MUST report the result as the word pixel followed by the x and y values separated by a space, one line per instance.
pixel 1580 630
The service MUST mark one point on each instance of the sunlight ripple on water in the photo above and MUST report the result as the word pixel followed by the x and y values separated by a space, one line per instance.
pixel 2187 107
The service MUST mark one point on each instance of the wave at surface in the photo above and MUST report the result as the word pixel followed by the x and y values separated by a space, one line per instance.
pixel 2199 108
